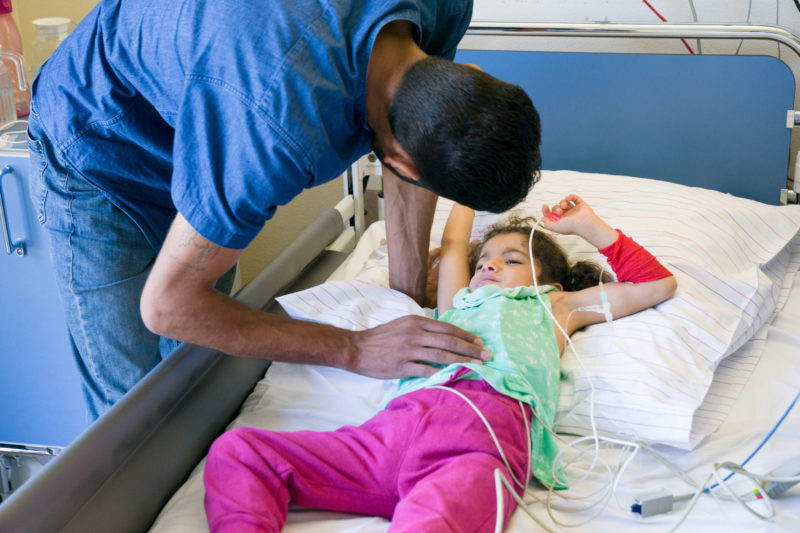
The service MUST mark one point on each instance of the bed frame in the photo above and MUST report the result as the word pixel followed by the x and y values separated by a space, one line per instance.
pixel 120 472
pixel 617 113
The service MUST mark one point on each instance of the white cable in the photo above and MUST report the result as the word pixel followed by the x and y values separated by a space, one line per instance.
pixel 500 479
pixel 604 308
pixel 741 41
pixel 724 484
pixel 614 474
pixel 617 473
pixel 694 16
pixel 691 505
pixel 494 437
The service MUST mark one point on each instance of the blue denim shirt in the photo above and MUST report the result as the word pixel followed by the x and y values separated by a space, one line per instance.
pixel 222 109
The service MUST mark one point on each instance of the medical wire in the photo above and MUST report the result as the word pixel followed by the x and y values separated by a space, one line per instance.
pixel 684 476
pixel 741 41
pixel 694 16
pixel 494 436
pixel 635 446
pixel 595 438
pixel 501 480
pixel 615 474
pixel 777 22
pixel 740 499
pixel 703 488
pixel 731 466
pixel 765 439
pixel 663 19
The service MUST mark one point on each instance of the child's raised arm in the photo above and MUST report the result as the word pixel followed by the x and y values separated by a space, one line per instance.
pixel 642 281
pixel 454 259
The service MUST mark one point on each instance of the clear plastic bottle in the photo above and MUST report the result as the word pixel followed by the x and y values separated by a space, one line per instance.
pixel 50 31
pixel 11 41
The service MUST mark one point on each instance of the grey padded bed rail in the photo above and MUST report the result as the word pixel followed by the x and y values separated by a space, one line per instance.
pixel 117 476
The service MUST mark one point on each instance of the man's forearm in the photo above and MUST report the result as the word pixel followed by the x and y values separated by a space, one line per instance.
pixel 409 215
pixel 179 301
pixel 210 318
pixel 404 347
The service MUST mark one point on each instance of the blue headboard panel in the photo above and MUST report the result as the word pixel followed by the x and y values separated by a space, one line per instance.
pixel 717 122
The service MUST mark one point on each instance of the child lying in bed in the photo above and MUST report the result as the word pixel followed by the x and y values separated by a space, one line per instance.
pixel 427 460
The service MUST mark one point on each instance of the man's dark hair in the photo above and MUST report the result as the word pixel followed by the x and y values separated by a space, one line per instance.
pixel 475 139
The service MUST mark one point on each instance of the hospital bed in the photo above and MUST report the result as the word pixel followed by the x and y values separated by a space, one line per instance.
pixel 708 375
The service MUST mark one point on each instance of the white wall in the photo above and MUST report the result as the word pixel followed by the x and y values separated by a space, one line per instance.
pixel 717 11
pixel 757 12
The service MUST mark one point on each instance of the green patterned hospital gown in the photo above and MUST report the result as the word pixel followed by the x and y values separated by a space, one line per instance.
pixel 525 364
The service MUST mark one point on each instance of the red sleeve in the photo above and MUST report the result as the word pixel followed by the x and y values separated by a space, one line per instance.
pixel 631 262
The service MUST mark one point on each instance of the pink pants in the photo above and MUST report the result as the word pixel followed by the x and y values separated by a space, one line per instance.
pixel 427 462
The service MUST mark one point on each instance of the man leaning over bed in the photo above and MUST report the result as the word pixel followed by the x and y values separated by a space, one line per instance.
pixel 166 133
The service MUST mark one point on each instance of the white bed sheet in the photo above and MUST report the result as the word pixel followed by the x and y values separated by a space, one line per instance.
pixel 292 397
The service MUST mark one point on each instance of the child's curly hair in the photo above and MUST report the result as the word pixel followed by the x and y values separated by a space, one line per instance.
pixel 554 266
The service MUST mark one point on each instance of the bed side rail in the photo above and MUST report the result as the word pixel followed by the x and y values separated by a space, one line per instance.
pixel 119 473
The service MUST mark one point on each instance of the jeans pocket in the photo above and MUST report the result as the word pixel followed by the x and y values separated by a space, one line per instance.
pixel 37 188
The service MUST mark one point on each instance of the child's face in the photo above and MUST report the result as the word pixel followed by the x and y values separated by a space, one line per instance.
pixel 503 261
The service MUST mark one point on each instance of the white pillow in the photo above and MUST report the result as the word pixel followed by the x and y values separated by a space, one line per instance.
pixel 650 371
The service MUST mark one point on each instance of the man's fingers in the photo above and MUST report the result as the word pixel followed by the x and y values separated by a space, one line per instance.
pixel 450 338
pixel 410 345
pixel 445 357
pixel 417 369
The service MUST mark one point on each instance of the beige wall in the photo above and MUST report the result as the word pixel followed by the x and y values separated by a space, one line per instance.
pixel 289 219
pixel 25 11
pixel 287 223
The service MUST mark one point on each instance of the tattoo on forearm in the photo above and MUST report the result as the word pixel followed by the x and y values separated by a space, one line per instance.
pixel 203 250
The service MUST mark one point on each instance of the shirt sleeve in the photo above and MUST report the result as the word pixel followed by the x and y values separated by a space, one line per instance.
pixel 232 165
pixel 450 23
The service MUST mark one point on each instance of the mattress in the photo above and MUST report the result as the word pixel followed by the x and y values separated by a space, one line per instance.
pixel 751 390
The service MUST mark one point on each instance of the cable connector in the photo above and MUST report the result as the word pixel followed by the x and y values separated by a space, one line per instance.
pixel 788 474
pixel 653 503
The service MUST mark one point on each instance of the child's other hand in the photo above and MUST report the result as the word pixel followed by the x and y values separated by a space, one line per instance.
pixel 569 216
pixel 573 216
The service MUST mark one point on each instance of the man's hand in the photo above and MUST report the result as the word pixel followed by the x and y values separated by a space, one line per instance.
pixel 407 346
pixel 180 301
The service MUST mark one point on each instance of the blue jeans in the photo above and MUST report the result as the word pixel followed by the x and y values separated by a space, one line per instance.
pixel 101 259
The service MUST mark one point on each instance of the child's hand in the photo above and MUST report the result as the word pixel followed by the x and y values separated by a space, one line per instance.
pixel 569 216
pixel 573 216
